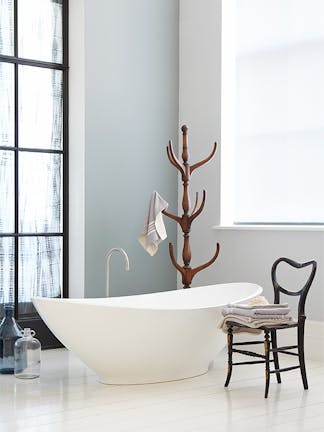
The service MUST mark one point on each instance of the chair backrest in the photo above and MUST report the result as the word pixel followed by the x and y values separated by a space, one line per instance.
pixel 302 292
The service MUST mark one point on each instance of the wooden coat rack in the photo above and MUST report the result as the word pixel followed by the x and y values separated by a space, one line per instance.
pixel 186 219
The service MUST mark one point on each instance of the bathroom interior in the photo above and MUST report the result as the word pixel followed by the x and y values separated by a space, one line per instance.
pixel 83 148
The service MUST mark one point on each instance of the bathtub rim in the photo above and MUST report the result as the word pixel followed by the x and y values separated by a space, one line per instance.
pixel 88 301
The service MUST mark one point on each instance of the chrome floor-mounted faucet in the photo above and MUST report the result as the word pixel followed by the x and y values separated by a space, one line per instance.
pixel 108 256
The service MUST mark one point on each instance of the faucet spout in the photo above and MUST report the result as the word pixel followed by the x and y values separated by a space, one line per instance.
pixel 108 256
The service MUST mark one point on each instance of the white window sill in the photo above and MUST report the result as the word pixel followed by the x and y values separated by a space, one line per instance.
pixel 269 227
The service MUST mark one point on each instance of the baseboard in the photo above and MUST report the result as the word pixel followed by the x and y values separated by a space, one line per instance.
pixel 314 339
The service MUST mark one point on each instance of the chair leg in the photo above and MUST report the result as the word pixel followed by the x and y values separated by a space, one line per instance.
pixel 301 355
pixel 230 354
pixel 267 361
pixel 275 354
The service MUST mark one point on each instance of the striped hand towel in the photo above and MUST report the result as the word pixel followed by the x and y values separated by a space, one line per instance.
pixel 154 230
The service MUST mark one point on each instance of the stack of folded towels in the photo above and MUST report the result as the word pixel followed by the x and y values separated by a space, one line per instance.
pixel 259 312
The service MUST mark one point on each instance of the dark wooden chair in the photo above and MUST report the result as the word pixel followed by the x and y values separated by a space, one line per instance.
pixel 270 333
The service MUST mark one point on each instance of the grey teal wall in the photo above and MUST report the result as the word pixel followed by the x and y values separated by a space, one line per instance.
pixel 131 111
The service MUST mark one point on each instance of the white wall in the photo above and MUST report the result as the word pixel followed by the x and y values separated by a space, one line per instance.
pixel 76 148
pixel 245 255
pixel 200 110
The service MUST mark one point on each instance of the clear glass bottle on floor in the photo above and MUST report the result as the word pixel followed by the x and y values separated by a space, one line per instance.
pixel 27 355
pixel 9 333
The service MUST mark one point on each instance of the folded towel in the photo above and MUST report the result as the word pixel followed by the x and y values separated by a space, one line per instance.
pixel 258 306
pixel 257 313
pixel 154 230
pixel 258 300
pixel 252 323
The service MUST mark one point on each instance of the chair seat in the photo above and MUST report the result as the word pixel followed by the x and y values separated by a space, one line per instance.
pixel 269 328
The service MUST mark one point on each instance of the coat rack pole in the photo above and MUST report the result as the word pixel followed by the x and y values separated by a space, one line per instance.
pixel 186 219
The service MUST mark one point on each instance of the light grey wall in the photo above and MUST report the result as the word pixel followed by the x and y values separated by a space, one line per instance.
pixel 247 255
pixel 200 84
pixel 131 110
pixel 76 148
pixel 244 255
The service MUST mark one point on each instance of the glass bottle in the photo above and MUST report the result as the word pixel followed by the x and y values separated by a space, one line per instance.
pixel 27 355
pixel 9 333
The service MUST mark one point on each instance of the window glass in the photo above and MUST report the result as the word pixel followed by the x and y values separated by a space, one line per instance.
pixel 40 30
pixel 40 192
pixel 7 266
pixel 7 104
pixel 40 108
pixel 7 27
pixel 7 192
pixel 40 269
pixel 279 119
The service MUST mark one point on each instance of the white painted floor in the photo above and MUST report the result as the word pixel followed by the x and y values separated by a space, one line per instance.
pixel 67 397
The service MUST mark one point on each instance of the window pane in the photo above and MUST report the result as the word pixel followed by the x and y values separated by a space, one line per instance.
pixel 279 153
pixel 6 27
pixel 7 192
pixel 40 108
pixel 6 271
pixel 40 30
pixel 7 100
pixel 40 269
pixel 279 190
pixel 40 192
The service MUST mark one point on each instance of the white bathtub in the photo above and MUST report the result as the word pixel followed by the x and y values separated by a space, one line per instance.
pixel 145 338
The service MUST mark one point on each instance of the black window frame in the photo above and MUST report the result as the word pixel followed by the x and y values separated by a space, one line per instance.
pixel 47 339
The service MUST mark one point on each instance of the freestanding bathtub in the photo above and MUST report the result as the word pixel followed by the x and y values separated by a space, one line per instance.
pixel 145 338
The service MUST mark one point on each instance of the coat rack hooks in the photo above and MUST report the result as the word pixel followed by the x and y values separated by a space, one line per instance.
pixel 186 219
